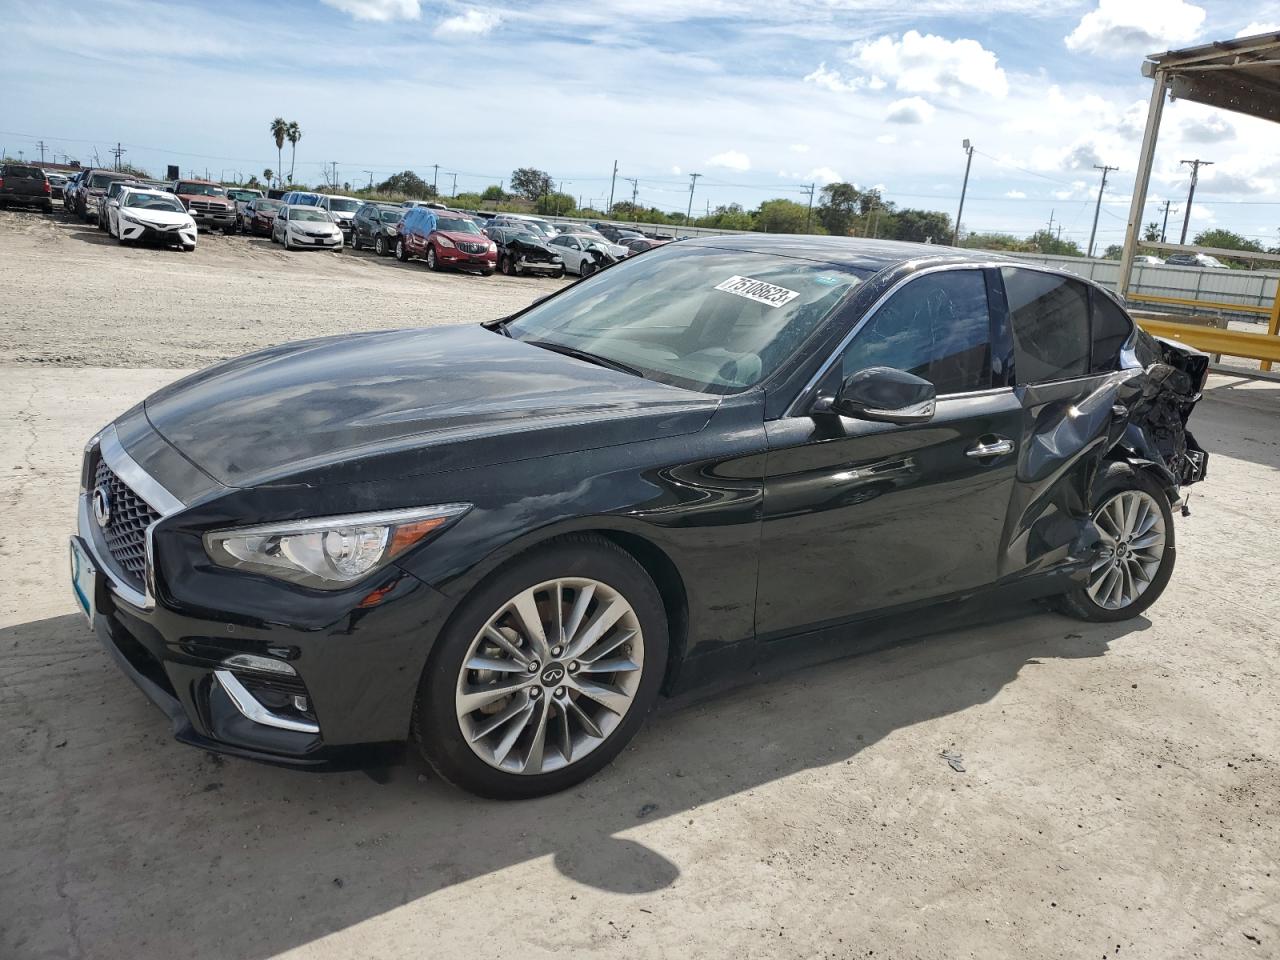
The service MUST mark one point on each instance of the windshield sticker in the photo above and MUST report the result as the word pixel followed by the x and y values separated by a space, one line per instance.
pixel 827 281
pixel 769 294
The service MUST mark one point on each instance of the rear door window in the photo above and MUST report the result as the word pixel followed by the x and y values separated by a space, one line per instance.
pixel 1111 328
pixel 1049 315
pixel 938 326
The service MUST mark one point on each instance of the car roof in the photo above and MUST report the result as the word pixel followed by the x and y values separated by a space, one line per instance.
pixel 858 252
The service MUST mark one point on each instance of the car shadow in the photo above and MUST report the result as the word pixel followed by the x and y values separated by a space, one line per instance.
pixel 1237 418
pixel 99 789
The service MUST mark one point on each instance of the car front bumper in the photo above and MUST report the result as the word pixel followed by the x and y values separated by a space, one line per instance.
pixel 149 234
pixel 356 673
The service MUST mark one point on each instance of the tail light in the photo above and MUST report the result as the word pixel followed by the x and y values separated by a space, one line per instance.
pixel 1 183
pixel 47 188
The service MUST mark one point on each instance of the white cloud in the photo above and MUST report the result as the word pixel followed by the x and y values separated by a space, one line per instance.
pixel 1209 129
pixel 1255 28
pixel 799 148
pixel 473 23
pixel 925 63
pixel 675 171
pixel 1016 195
pixel 911 110
pixel 1124 27
pixel 730 160
pixel 380 10
pixel 824 175
pixel 887 138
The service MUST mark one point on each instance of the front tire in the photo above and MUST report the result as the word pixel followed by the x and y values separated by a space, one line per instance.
pixel 545 672
pixel 432 262
pixel 1136 556
pixel 380 246
pixel 355 240
pixel 401 253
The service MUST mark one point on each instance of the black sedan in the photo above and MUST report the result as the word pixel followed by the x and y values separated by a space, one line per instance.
pixel 503 541
pixel 374 225
pixel 521 251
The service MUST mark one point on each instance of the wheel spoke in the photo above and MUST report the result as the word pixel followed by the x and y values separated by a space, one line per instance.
pixel 580 603
pixel 526 610
pixel 475 698
pixel 584 720
pixel 613 665
pixel 496 665
pixel 607 646
pixel 604 619
pixel 609 698
pixel 513 732
pixel 533 759
pixel 495 636
pixel 564 734
pixel 483 728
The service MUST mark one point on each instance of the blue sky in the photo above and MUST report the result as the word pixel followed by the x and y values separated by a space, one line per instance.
pixel 758 97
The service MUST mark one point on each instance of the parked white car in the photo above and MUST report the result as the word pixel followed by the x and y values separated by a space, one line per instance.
pixel 1146 260
pixel 576 251
pixel 298 225
pixel 154 215
pixel 343 211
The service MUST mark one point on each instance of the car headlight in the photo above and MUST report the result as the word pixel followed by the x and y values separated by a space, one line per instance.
pixel 328 553
pixel 444 241
pixel 493 247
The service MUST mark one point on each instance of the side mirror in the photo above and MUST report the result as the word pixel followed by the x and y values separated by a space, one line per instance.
pixel 883 394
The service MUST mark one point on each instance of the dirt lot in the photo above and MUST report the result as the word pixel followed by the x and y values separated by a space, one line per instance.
pixel 1120 797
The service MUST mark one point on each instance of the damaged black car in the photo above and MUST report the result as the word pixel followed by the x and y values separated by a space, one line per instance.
pixel 502 542
pixel 521 252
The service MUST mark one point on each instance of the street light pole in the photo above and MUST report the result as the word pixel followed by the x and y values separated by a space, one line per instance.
pixel 612 180
pixel 968 149
pixel 1098 209
pixel 693 182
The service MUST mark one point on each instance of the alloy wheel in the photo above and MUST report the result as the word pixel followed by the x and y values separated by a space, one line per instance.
pixel 1133 543
pixel 550 676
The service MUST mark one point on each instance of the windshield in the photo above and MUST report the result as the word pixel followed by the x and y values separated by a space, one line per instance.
pixel 264 204
pixel 201 190
pixel 702 318
pixel 342 206
pixel 243 194
pixel 151 201
pixel 103 179
pixel 528 237
pixel 390 216
pixel 456 225
pixel 309 214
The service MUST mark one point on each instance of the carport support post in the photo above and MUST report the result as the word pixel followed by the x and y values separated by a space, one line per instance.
pixel 1143 180
pixel 1273 325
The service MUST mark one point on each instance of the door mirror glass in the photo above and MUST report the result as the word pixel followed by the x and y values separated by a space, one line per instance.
pixel 886 395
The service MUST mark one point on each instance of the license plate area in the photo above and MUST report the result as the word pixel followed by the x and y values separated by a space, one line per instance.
pixel 84 579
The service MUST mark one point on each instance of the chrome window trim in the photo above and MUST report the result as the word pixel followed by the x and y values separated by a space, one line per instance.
pixel 249 707
pixel 836 353
pixel 146 487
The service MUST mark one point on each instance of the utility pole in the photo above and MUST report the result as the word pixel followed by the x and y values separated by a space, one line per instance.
pixel 693 182
pixel 40 144
pixel 454 192
pixel 608 212
pixel 1164 229
pixel 1051 213
pixel 370 173
pixel 635 189
pixel 435 178
pixel 964 188
pixel 1195 178
pixel 808 214
pixel 1098 209
pixel 118 152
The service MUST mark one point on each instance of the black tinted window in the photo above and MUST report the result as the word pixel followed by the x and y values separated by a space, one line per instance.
pixel 1111 329
pixel 1050 319
pixel 936 327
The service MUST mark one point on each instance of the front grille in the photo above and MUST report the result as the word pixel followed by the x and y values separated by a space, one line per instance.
pixel 128 518
pixel 473 247
pixel 206 207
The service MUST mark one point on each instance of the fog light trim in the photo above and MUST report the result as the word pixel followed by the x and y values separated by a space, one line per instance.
pixel 248 706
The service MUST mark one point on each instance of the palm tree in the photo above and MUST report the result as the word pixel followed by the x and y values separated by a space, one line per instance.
pixel 279 130
pixel 294 134
pixel 267 174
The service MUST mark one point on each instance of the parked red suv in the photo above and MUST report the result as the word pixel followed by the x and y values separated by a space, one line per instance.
pixel 444 239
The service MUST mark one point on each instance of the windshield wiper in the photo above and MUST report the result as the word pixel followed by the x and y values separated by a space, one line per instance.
pixel 585 355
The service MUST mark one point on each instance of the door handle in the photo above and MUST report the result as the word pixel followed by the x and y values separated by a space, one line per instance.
pixel 996 448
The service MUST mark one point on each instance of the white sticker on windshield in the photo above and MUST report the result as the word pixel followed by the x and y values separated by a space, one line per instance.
pixel 769 294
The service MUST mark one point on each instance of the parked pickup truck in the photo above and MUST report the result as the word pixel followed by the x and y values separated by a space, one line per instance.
pixel 24 185
pixel 207 202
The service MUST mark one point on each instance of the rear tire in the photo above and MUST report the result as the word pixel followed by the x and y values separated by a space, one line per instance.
pixel 432 262
pixel 380 246
pixel 568 568
pixel 1136 556
pixel 401 253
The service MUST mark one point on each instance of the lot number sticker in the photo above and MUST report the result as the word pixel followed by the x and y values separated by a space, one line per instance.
pixel 769 294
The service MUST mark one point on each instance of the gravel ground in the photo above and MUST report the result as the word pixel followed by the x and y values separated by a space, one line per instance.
pixel 75 297
pixel 1120 794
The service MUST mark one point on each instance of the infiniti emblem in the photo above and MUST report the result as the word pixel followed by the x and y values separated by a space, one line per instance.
pixel 552 675
pixel 101 506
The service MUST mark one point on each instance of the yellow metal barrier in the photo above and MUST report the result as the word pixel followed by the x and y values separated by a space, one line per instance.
pixel 1205 304
pixel 1233 343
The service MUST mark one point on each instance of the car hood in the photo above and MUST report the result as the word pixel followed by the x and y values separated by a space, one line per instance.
pixel 407 402
pixel 457 236
pixel 204 198
pixel 312 224
pixel 165 217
